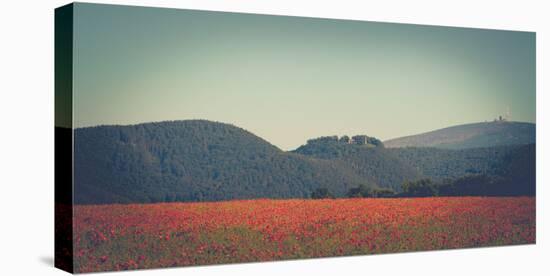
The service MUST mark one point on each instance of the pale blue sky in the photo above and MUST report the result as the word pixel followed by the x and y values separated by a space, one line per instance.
pixel 288 79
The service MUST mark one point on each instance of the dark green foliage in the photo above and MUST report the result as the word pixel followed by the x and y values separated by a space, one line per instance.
pixel 515 176
pixel 440 164
pixel 375 165
pixel 504 170
pixel 375 142
pixel 383 192
pixel 472 185
pixel 360 140
pixel 194 161
pixel 367 191
pixel 321 193
pixel 420 188
pixel 360 191
pixel 345 139
pixel 518 171
pixel 483 185
pixel 199 160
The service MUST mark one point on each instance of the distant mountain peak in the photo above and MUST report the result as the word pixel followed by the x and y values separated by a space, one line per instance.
pixel 475 135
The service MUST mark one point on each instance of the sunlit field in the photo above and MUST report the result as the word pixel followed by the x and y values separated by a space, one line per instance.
pixel 120 237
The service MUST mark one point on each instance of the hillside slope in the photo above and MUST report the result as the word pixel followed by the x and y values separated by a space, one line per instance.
pixel 516 163
pixel 513 165
pixel 193 160
pixel 198 160
pixel 375 164
pixel 477 135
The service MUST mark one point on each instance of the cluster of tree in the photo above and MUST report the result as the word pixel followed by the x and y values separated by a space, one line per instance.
pixel 368 191
pixel 321 193
pixel 439 164
pixel 469 185
pixel 503 170
pixel 199 160
pixel 360 140
pixel 375 165
pixel 483 185
pixel 356 192
pixel 194 161
pixel 419 188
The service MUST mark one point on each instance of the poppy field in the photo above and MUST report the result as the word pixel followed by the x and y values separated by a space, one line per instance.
pixel 137 236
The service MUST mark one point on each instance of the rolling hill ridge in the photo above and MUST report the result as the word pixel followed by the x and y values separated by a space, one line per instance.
pixel 194 160
pixel 477 135
pixel 199 160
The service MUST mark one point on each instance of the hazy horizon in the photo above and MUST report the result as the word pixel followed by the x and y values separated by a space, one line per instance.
pixel 289 79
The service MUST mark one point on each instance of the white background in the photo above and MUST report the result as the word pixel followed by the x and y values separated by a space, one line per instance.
pixel 26 136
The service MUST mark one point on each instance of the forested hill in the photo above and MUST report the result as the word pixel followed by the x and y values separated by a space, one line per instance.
pixel 370 160
pixel 194 160
pixel 477 135
pixel 512 168
pixel 198 160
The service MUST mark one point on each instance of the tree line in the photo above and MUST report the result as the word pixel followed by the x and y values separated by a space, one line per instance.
pixel 469 185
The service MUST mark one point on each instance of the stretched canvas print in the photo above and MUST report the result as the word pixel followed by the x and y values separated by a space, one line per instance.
pixel 189 138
